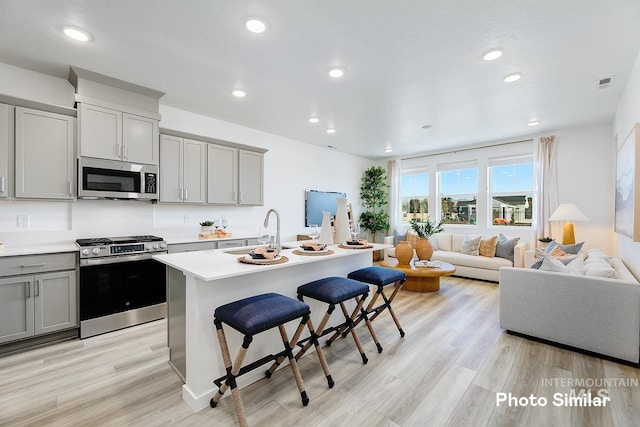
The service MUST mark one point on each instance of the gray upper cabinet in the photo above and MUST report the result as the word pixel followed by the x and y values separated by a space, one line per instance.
pixel 182 170
pixel 234 176
pixel 44 154
pixel 115 135
pixel 251 175
pixel 222 174
pixel 6 135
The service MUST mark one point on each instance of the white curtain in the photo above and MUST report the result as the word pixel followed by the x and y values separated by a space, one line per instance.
pixel 545 184
pixel 395 204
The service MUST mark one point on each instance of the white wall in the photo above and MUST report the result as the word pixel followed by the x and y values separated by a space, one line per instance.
pixel 291 167
pixel 628 114
pixel 586 177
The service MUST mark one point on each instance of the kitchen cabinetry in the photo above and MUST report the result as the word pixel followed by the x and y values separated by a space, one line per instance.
pixel 182 170
pixel 222 174
pixel 44 154
pixel 234 176
pixel 39 300
pixel 5 137
pixel 115 135
pixel 251 174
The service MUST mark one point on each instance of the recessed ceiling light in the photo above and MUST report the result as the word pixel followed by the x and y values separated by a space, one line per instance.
pixel 388 150
pixel 492 55
pixel 331 130
pixel 533 123
pixel 256 25
pixel 239 93
pixel 512 77
pixel 337 72
pixel 77 34
pixel 313 119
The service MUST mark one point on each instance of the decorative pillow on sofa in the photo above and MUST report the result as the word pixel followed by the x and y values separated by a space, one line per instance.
pixel 569 249
pixel 505 247
pixel 571 266
pixel 600 270
pixel 470 246
pixel 488 246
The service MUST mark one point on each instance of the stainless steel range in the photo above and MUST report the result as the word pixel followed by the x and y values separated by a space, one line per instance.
pixel 120 285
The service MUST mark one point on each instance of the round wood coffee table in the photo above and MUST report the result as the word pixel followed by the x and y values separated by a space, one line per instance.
pixel 421 279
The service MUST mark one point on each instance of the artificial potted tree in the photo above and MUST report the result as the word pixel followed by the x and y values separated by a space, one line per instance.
pixel 373 192
pixel 424 230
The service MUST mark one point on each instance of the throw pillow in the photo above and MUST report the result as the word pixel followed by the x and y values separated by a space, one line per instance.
pixel 576 266
pixel 566 260
pixel 505 247
pixel 550 263
pixel 470 246
pixel 488 246
pixel 569 249
pixel 557 252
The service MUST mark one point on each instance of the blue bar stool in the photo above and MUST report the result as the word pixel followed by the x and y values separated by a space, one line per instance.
pixel 380 277
pixel 335 291
pixel 250 316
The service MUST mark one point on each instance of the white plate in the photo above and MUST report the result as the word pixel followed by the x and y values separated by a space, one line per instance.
pixel 248 258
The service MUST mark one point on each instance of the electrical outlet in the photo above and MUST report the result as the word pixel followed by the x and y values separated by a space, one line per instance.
pixel 24 220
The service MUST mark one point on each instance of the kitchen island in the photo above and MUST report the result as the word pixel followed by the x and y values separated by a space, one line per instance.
pixel 198 282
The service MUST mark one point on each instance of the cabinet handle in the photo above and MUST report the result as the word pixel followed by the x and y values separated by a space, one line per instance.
pixel 241 196
pixel 118 150
pixel 70 190
pixel 1 184
pixel 28 289
pixel 37 292
pixel 235 195
pixel 181 193
pixel 32 265
pixel 126 151
pixel 186 193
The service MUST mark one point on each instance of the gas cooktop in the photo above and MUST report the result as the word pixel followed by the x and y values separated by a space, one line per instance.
pixel 102 241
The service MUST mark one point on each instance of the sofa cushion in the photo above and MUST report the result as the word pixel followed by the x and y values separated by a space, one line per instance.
pixel 573 249
pixel 462 260
pixel 470 246
pixel 506 247
pixel 622 272
pixel 600 269
pixel 456 242
pixel 444 241
pixel 488 246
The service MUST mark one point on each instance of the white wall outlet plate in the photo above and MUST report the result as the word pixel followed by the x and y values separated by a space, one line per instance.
pixel 24 220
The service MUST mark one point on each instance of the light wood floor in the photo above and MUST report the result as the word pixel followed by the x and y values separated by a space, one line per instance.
pixel 445 372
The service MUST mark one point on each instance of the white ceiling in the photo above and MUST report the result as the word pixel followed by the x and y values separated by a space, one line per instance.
pixel 409 63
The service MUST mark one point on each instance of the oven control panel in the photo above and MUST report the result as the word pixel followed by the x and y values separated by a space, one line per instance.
pixel 122 249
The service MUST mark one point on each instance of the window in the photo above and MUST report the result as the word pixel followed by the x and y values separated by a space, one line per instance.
pixel 511 191
pixel 458 193
pixel 414 195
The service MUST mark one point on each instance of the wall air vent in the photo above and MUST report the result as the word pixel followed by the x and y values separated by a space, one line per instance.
pixel 605 82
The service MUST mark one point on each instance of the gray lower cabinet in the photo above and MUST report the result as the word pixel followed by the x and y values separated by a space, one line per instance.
pixel 38 295
pixel 31 305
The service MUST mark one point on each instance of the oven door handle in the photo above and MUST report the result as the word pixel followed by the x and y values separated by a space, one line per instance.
pixel 118 259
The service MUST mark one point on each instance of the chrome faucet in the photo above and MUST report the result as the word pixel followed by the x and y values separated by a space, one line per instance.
pixel 266 224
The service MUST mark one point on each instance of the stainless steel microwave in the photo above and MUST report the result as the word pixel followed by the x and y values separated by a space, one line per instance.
pixel 112 179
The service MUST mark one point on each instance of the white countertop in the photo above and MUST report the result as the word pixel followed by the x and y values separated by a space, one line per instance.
pixel 217 263
pixel 38 249
pixel 195 239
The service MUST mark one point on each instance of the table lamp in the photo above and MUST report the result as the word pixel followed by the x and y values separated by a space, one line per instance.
pixel 568 212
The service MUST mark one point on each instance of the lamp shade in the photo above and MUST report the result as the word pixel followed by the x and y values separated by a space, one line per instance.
pixel 568 212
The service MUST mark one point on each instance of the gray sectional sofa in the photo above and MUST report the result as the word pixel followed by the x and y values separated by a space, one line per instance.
pixel 596 314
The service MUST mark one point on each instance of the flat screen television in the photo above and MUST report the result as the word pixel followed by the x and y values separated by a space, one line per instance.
pixel 315 202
